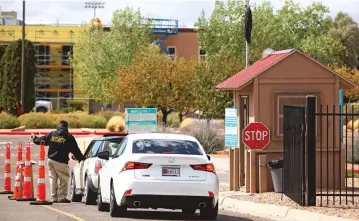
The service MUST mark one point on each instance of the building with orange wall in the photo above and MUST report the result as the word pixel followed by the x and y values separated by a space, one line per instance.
pixel 55 80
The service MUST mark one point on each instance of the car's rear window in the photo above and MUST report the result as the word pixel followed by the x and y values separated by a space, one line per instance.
pixel 166 146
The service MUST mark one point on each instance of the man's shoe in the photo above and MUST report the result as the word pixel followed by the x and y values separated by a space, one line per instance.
pixel 64 201
pixel 53 200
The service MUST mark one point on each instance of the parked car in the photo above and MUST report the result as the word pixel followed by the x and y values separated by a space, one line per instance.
pixel 170 171
pixel 43 106
pixel 84 174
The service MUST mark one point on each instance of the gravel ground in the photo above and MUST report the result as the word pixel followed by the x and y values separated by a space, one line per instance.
pixel 348 210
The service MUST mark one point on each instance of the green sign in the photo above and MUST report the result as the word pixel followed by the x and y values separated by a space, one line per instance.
pixel 141 120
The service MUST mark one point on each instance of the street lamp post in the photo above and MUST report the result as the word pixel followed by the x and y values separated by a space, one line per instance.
pixel 94 5
pixel 23 58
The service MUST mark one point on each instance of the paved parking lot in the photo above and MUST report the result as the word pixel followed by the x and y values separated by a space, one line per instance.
pixel 19 211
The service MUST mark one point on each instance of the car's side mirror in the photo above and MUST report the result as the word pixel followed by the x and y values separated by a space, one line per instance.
pixel 208 157
pixel 105 155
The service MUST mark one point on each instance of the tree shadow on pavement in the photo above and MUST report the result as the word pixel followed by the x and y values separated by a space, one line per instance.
pixel 168 215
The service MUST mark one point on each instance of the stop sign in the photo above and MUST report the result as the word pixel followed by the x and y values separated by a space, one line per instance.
pixel 256 136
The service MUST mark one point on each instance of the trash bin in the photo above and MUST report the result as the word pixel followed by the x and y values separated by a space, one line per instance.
pixel 276 167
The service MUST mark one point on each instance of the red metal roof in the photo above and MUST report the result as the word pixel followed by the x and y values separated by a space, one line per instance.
pixel 255 69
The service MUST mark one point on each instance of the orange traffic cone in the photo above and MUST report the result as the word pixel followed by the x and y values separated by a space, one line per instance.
pixel 27 193
pixel 41 185
pixel 18 178
pixel 7 172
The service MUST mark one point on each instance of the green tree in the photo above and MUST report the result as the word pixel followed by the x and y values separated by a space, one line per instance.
pixel 152 79
pixel 10 75
pixel 292 26
pixel 346 31
pixel 98 54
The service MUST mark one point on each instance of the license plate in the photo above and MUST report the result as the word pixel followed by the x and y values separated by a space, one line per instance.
pixel 170 171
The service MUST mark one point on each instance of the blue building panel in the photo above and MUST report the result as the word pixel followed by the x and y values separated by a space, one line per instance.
pixel 164 27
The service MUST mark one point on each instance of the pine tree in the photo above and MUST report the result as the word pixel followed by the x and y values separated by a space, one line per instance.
pixel 10 77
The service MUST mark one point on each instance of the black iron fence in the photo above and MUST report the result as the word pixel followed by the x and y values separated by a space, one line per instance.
pixel 322 168
pixel 294 153
pixel 338 155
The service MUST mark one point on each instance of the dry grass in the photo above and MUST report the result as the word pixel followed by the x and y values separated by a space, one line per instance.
pixel 330 206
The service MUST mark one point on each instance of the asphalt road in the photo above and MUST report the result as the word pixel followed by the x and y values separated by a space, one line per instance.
pixel 19 211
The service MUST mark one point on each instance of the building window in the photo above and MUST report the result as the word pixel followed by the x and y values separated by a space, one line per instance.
pixel 297 99
pixel 66 50
pixel 172 52
pixel 43 56
pixel 202 55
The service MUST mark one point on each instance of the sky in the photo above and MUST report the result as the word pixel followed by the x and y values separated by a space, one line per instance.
pixel 185 11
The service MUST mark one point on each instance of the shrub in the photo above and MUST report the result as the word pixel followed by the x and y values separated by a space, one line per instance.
pixel 349 146
pixel 116 124
pixel 76 104
pixel 73 120
pixel 92 121
pixel 185 124
pixel 37 121
pixel 8 121
pixel 109 114
pixel 173 120
pixel 208 137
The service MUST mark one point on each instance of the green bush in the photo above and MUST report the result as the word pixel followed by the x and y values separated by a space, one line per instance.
pixel 37 121
pixel 92 121
pixel 208 137
pixel 8 121
pixel 76 104
pixel 72 119
pixel 172 119
pixel 109 114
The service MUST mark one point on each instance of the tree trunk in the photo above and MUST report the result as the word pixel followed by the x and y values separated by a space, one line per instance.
pixel 180 115
pixel 165 113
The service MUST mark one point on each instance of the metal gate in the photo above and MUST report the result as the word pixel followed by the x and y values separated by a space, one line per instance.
pixel 294 153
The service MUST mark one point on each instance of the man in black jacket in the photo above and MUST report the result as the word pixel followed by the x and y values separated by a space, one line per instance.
pixel 61 143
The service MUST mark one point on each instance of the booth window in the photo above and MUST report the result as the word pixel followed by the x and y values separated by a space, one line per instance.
pixel 297 99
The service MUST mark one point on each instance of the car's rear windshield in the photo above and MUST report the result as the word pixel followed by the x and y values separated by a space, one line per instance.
pixel 166 146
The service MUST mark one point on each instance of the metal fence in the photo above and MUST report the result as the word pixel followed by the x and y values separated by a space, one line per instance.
pixel 294 153
pixel 321 157
pixel 338 156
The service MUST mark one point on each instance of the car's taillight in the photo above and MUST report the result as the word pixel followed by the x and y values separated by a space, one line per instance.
pixel 98 166
pixel 204 167
pixel 210 194
pixel 135 166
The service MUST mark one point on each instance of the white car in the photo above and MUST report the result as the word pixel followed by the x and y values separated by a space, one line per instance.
pixel 157 170
pixel 84 174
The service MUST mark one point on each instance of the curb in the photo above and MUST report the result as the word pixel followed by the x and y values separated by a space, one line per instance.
pixel 272 211
pixel 22 133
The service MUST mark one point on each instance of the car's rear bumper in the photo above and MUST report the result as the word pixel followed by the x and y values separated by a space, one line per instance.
pixel 184 191
pixel 167 202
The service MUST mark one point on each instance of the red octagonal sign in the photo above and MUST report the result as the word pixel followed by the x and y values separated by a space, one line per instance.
pixel 256 136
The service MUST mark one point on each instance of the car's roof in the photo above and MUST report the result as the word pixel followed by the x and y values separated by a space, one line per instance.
pixel 114 137
pixel 167 136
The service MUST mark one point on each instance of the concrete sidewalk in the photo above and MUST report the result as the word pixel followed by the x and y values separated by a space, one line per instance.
pixel 270 211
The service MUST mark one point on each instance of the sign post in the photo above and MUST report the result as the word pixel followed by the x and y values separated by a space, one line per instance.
pixel 231 140
pixel 141 120
pixel 256 136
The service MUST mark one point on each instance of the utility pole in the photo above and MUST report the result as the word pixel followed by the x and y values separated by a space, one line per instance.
pixel 23 58
pixel 94 5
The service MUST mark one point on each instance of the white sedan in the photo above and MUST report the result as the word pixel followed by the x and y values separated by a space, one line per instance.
pixel 168 171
